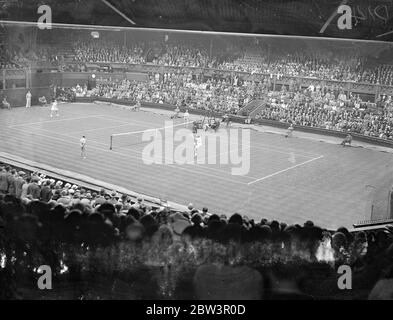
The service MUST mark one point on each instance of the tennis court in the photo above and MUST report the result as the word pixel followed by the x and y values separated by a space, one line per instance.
pixel 292 180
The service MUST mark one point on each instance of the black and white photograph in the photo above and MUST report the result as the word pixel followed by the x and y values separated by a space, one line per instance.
pixel 205 151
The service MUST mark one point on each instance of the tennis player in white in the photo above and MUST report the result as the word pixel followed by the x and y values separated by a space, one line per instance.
pixel 186 117
pixel 82 142
pixel 28 99
pixel 54 109
pixel 197 144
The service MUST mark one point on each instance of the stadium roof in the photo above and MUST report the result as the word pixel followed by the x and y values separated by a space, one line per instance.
pixel 371 19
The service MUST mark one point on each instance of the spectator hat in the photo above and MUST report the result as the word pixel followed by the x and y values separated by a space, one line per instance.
pixel 196 218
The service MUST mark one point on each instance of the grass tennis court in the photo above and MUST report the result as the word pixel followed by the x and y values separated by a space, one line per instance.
pixel 292 180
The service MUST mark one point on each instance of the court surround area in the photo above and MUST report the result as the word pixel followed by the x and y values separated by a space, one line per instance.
pixel 292 180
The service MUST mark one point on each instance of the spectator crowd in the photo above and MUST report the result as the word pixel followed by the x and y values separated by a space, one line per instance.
pixel 184 89
pixel 314 64
pixel 319 106
pixel 323 64
pixel 330 109
pixel 103 245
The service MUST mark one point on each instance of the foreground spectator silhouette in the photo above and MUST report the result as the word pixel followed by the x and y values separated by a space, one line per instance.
pixel 108 246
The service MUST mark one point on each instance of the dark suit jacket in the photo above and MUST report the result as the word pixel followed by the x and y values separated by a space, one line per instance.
pixel 3 182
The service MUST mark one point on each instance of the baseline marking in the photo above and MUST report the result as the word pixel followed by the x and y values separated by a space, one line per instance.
pixel 47 121
pixel 132 149
pixel 284 170
pixel 140 153
pixel 262 147
pixel 125 155
pixel 105 128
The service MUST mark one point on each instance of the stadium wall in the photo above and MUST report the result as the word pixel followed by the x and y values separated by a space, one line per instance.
pixel 17 97
pixel 40 83
pixel 340 134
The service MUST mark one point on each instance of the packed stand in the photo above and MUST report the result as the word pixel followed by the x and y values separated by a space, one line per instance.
pixel 317 64
pixel 185 56
pixel 223 95
pixel 319 106
pixel 99 51
pixel 10 59
pixel 311 62
pixel 104 246
pixel 330 109
pixel 382 74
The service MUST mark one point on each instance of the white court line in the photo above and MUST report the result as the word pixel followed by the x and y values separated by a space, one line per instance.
pixel 287 150
pixel 47 121
pixel 132 121
pixel 259 147
pixel 135 121
pixel 123 154
pixel 256 146
pixel 140 153
pixel 253 146
pixel 112 127
pixel 281 171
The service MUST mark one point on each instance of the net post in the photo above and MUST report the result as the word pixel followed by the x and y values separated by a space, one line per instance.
pixel 111 142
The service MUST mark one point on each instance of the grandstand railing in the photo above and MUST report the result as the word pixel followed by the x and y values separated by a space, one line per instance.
pixel 373 223
pixel 358 87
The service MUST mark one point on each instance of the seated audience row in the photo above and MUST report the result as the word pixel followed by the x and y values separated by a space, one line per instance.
pixel 103 241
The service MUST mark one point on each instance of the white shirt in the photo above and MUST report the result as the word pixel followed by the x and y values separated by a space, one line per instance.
pixel 54 105
pixel 82 142
pixel 198 141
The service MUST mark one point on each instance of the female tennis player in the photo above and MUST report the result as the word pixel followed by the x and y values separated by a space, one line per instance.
pixel 54 110
pixel 82 142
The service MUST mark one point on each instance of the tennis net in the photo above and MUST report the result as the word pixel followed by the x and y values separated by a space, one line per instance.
pixel 128 139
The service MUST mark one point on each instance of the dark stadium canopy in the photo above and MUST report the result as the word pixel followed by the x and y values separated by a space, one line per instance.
pixel 372 19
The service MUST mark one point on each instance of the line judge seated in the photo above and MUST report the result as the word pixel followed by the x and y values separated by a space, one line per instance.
pixel 6 104
pixel 42 101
